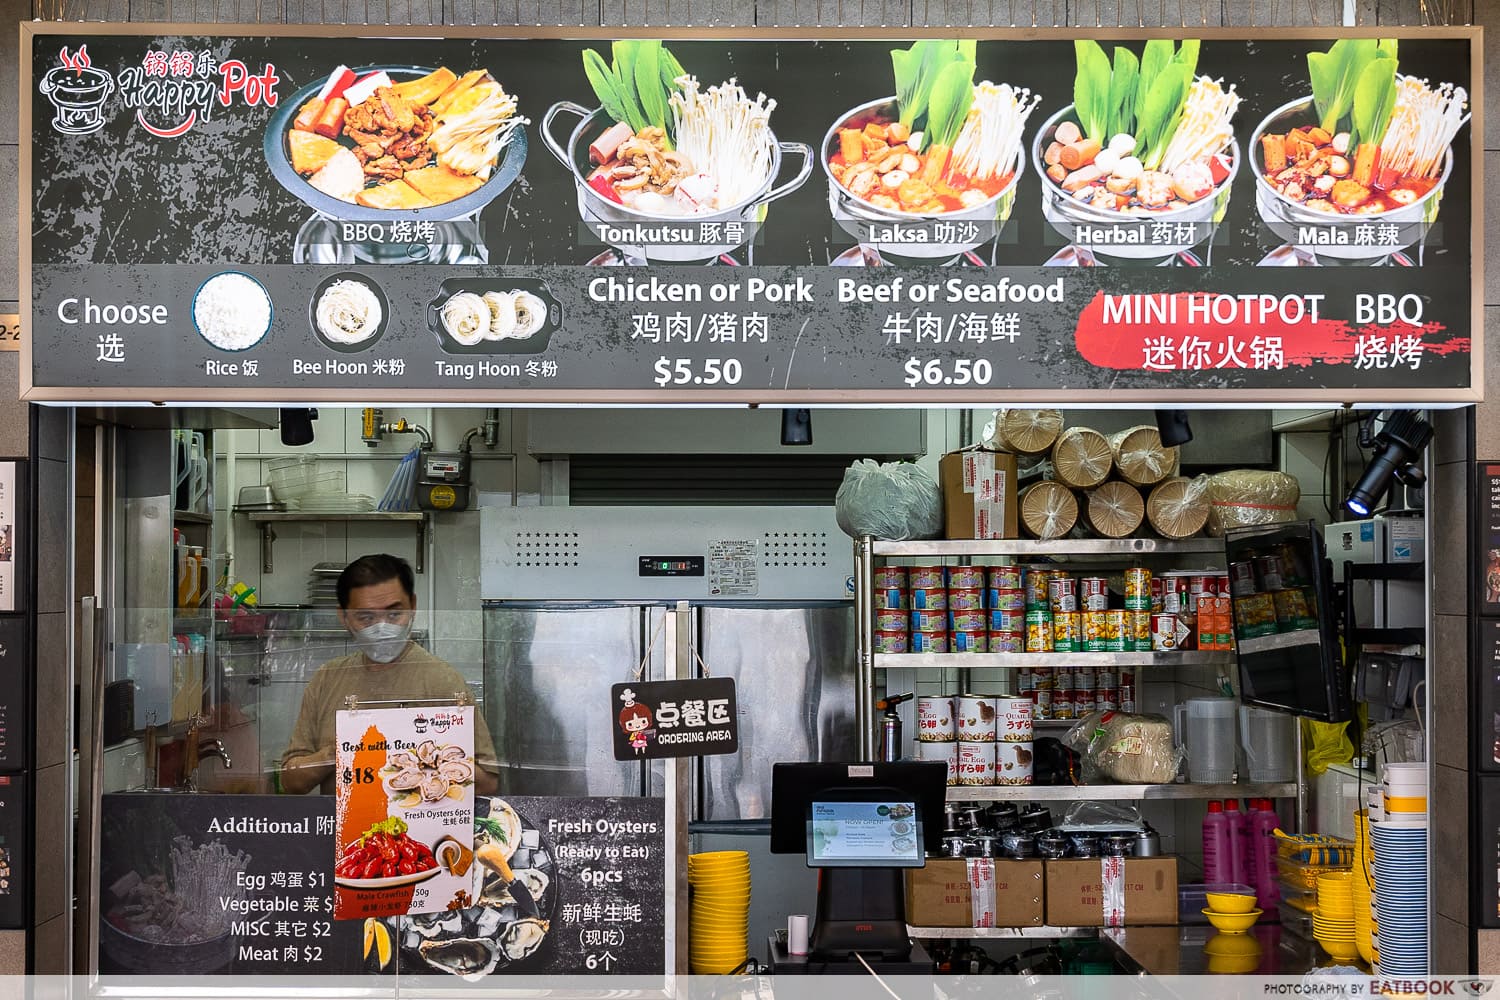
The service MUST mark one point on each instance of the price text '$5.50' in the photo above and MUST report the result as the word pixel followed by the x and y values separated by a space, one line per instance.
pixel 708 371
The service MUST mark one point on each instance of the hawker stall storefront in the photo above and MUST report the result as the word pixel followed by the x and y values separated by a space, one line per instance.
pixel 350 327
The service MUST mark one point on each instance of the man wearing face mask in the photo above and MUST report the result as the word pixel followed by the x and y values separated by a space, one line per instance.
pixel 377 597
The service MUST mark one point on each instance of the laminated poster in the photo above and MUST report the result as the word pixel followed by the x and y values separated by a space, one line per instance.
pixel 404 812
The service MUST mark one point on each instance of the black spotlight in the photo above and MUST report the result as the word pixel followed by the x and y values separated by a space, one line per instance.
pixel 796 427
pixel 1173 427
pixel 296 426
pixel 1400 443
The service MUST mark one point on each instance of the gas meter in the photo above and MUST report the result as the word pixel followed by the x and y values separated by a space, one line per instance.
pixel 444 483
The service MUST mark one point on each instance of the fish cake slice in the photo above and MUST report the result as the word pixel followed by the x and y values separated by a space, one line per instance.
pixel 452 94
pixel 393 195
pixel 310 151
pixel 443 185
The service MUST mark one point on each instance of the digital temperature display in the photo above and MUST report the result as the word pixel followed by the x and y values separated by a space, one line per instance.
pixel 671 566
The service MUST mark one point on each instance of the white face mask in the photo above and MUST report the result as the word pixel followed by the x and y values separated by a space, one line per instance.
pixel 383 642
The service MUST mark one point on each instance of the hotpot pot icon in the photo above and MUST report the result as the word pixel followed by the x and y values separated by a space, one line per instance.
pixel 78 91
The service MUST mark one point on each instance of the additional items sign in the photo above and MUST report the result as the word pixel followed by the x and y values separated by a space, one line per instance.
pixel 694 718
pixel 1003 238
pixel 219 884
pixel 405 808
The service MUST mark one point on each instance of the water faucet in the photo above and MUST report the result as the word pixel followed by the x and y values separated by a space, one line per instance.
pixel 215 748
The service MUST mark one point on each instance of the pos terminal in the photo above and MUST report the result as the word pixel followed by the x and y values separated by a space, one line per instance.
pixel 860 825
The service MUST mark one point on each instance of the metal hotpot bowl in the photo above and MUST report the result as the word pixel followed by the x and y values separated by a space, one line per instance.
pixel 849 211
pixel 502 176
pixel 138 954
pixel 1282 215
pixel 1065 212
pixel 594 207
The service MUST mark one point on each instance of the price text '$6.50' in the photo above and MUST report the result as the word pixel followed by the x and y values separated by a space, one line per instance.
pixel 959 372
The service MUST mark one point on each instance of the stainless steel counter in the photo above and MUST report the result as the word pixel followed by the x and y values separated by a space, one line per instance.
pixel 1200 950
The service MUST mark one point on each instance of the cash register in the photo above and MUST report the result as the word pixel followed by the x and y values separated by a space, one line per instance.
pixel 860 825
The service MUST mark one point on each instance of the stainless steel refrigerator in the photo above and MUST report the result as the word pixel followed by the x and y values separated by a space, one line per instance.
pixel 577 599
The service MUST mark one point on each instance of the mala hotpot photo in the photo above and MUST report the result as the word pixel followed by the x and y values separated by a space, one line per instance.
pixel 1355 174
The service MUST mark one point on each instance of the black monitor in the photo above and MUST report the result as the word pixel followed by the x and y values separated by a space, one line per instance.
pixel 860 824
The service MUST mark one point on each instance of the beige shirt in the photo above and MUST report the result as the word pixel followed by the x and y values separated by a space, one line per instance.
pixel 416 675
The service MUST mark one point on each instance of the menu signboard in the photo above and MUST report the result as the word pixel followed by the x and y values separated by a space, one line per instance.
pixel 241 884
pixel 237 216
pixel 219 884
pixel 404 787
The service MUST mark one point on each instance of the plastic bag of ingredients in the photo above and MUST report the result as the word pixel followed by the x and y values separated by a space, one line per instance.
pixel 1082 458
pixel 1023 432
pixel 1128 749
pixel 1178 507
pixel 1140 457
pixel 1048 509
pixel 1243 498
pixel 1101 816
pixel 897 501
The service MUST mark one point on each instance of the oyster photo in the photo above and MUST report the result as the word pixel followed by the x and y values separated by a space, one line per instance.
pixel 522 938
pixel 470 959
pixel 495 935
pixel 428 773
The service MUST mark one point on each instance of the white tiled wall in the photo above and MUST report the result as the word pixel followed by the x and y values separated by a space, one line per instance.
pixel 299 546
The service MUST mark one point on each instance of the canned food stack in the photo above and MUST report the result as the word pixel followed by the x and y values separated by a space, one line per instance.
pixel 892 600
pixel 937 733
pixel 929 609
pixel 1062 694
pixel 1037 582
pixel 968 624
pixel 1270 595
pixel 985 740
pixel 1005 601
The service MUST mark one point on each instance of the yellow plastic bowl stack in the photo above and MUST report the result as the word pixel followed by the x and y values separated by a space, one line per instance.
pixel 719 914
pixel 1333 920
pixel 1231 912
pixel 1362 884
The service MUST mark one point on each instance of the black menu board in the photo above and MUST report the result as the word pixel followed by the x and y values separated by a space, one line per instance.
pixel 243 885
pixel 220 885
pixel 246 217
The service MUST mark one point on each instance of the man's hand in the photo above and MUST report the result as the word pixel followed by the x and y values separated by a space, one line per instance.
pixel 300 775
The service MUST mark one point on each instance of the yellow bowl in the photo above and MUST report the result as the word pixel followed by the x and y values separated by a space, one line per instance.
pixel 1342 950
pixel 1232 923
pixel 1230 902
pixel 1232 954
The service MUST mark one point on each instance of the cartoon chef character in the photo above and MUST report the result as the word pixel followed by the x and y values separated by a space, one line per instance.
pixel 635 720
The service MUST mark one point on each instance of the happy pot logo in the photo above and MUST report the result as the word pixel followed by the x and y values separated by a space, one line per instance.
pixel 172 92
pixel 77 91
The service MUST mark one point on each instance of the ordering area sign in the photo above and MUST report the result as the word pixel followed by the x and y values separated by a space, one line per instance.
pixel 314 215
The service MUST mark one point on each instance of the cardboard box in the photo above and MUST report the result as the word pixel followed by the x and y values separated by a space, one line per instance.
pixel 979 494
pixel 1111 892
pixel 942 894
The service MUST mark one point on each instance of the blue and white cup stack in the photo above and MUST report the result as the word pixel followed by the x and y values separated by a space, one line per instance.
pixel 1400 869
